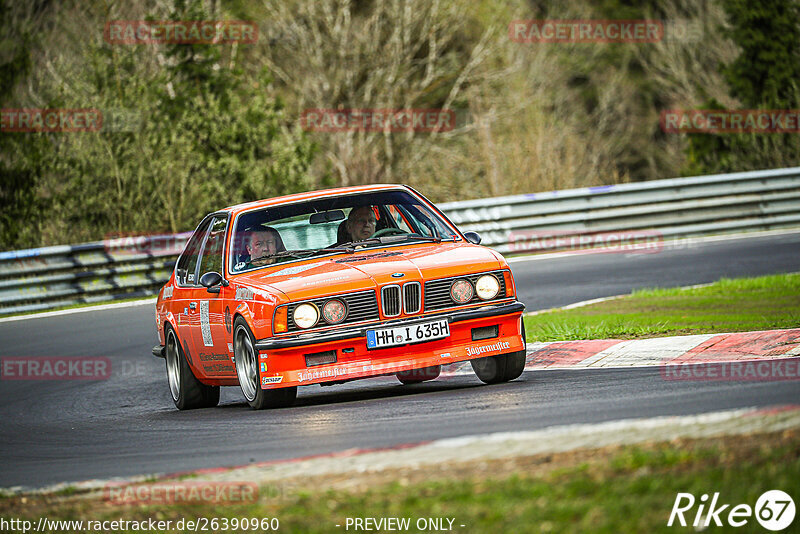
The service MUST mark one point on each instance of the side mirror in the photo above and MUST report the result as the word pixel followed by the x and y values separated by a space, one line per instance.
pixel 211 281
pixel 472 237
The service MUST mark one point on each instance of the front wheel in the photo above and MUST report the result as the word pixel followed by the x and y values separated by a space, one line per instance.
pixel 186 390
pixel 246 356
pixel 502 368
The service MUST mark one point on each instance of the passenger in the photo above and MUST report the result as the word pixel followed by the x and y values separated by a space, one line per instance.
pixel 261 244
pixel 360 224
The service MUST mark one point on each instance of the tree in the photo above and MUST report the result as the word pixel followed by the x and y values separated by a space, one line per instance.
pixel 18 156
pixel 763 76
pixel 201 135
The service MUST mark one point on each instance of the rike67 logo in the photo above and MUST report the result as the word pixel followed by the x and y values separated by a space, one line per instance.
pixel 774 510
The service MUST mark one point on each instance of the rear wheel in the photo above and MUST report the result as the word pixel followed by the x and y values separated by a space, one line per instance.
pixel 246 356
pixel 187 392
pixel 415 376
pixel 502 368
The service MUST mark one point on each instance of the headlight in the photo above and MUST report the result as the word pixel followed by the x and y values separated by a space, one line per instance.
pixel 334 311
pixel 487 287
pixel 306 315
pixel 461 291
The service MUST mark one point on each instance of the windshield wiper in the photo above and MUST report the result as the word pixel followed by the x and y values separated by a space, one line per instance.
pixel 304 253
pixel 389 239
pixel 363 242
pixel 434 239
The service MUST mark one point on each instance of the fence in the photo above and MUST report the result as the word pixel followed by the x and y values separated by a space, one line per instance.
pixel 50 277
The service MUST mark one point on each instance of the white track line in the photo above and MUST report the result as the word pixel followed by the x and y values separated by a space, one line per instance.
pixel 582 303
pixel 85 309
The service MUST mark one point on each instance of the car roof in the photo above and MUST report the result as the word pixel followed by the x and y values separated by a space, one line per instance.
pixel 311 195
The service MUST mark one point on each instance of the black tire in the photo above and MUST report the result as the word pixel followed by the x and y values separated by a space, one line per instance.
pixel 415 376
pixel 502 368
pixel 186 390
pixel 246 359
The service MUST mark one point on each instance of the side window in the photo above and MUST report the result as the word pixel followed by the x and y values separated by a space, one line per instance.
pixel 412 216
pixel 188 260
pixel 214 247
pixel 399 219
pixel 429 224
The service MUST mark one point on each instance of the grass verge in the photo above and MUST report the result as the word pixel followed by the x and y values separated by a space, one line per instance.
pixel 612 489
pixel 729 305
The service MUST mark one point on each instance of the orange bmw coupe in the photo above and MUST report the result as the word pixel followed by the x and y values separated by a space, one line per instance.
pixel 331 286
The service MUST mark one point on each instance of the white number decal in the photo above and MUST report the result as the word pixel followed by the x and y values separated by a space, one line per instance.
pixel 205 326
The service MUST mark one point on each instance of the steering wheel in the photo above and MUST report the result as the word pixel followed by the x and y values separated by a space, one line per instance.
pixel 388 231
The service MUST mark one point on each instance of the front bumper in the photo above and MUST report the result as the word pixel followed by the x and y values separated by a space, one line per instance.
pixel 282 361
pixel 344 334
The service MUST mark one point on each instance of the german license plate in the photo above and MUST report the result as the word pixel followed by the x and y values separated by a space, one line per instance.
pixel 413 333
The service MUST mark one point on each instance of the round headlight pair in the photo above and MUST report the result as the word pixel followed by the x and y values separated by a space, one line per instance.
pixel 487 287
pixel 307 315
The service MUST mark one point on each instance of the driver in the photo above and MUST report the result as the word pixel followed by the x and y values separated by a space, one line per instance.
pixel 263 242
pixel 360 223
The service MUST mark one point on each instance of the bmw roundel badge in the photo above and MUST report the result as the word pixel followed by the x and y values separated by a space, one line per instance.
pixel 397 275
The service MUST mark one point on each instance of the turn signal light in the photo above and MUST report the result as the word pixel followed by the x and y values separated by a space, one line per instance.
pixel 281 322
pixel 510 289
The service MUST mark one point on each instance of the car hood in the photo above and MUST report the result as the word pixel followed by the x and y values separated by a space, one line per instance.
pixel 370 268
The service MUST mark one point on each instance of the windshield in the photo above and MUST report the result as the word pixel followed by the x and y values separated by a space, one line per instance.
pixel 332 225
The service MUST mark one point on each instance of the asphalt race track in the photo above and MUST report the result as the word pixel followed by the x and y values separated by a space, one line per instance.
pixel 127 425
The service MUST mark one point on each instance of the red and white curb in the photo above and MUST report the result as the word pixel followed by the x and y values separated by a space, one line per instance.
pixel 742 347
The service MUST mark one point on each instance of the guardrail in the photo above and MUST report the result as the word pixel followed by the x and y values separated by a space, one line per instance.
pixel 678 207
pixel 50 277
pixel 645 212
